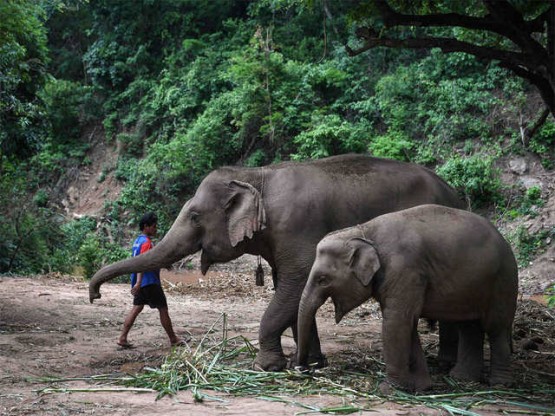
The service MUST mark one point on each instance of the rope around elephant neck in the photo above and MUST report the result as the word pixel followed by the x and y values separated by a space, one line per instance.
pixel 259 273
pixel 362 231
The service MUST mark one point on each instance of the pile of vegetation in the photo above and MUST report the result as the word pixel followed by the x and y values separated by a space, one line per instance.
pixel 220 365
pixel 183 87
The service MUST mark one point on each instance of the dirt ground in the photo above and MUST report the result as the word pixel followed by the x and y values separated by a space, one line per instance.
pixel 48 329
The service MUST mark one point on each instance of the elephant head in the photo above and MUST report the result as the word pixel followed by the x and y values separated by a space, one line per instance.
pixel 221 216
pixel 343 270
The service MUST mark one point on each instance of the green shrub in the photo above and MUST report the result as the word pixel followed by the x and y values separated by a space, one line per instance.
pixel 41 198
pixel 394 145
pixel 474 177
pixel 131 144
pixel 330 135
pixel 526 203
pixel 69 106
pixel 550 295
pixel 532 198
pixel 94 253
pixel 257 158
pixel 528 245
pixel 543 143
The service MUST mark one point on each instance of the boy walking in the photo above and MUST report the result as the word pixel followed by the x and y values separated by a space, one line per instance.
pixel 146 287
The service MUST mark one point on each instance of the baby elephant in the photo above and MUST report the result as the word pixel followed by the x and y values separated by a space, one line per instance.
pixel 429 261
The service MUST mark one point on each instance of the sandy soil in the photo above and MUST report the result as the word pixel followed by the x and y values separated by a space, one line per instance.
pixel 48 329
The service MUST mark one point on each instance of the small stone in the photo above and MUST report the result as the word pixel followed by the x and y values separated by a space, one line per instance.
pixel 518 165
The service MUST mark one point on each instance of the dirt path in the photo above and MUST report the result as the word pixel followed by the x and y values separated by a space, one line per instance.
pixel 49 329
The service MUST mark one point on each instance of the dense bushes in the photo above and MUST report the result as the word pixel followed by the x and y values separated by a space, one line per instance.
pixel 474 177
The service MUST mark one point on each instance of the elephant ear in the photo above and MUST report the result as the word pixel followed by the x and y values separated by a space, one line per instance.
pixel 363 259
pixel 245 212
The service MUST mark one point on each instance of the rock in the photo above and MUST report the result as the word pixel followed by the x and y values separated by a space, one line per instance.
pixel 530 182
pixel 518 165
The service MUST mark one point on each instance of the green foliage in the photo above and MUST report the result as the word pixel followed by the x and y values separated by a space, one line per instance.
pixel 41 198
pixel 474 177
pixel 28 235
pixel 526 204
pixel 88 256
pixel 529 245
pixel 181 87
pixel 532 198
pixel 393 145
pixel 23 55
pixel 543 143
pixel 84 248
pixel 131 144
pixel 69 106
pixel 550 295
pixel 29 229
pixel 329 135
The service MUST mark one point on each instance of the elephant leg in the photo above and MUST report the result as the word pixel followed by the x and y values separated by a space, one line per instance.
pixel 270 357
pixel 315 357
pixel 470 355
pixel 500 347
pixel 397 335
pixel 448 344
pixel 417 364
pixel 280 315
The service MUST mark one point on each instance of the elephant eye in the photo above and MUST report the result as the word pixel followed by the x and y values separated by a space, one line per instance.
pixel 324 280
pixel 195 219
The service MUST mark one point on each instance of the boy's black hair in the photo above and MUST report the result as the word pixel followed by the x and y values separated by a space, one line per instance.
pixel 148 219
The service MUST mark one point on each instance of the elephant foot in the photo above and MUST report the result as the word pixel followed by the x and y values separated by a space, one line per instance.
pixel 269 361
pixel 466 373
pixel 313 362
pixel 412 385
pixel 422 383
pixel 501 380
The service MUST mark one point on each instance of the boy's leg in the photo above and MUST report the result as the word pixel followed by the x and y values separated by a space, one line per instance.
pixel 166 322
pixel 128 323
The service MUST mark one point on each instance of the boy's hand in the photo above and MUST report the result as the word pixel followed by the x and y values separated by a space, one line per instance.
pixel 135 289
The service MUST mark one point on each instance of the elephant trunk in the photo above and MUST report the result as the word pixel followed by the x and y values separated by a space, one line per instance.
pixel 174 246
pixel 308 306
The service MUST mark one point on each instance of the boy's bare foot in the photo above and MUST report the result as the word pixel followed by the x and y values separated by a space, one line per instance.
pixel 125 345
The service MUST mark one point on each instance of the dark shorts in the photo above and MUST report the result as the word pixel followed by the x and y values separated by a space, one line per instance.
pixel 151 295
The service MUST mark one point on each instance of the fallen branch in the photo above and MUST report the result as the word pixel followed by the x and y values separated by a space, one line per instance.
pixel 50 390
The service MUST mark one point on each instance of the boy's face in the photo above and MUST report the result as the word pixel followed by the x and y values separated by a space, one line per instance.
pixel 150 230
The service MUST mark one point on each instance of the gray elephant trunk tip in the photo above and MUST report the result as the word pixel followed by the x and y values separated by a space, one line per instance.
pixel 94 296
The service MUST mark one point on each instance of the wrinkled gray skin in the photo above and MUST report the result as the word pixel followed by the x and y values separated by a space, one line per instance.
pixel 281 212
pixel 429 261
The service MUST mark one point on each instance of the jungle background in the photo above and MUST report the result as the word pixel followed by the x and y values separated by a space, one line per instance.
pixel 135 102
pixel 110 108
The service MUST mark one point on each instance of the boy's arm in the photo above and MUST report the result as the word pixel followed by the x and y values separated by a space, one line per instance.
pixel 135 289
pixel 144 248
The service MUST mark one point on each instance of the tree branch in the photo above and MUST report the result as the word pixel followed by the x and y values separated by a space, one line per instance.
pixel 529 132
pixel 445 44
pixel 529 59
pixel 392 18
pixel 502 19
pixel 514 27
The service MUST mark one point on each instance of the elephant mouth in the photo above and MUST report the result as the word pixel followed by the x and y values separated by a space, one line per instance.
pixel 339 312
pixel 205 262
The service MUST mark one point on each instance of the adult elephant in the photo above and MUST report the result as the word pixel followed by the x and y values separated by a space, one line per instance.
pixel 280 212
pixel 428 261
